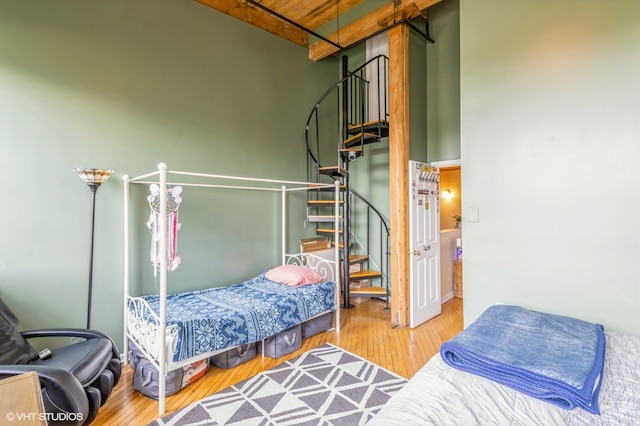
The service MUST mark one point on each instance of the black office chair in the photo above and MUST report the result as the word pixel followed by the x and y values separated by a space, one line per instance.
pixel 75 379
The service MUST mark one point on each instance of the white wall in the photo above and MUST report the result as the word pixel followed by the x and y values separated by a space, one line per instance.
pixel 550 143
pixel 448 239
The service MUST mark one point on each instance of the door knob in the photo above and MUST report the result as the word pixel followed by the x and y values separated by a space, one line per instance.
pixel 416 252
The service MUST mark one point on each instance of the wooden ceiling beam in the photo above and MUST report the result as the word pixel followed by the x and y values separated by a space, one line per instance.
pixel 316 17
pixel 259 18
pixel 369 25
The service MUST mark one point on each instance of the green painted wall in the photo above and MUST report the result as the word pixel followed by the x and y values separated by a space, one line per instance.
pixel 418 94
pixel 549 123
pixel 443 82
pixel 125 85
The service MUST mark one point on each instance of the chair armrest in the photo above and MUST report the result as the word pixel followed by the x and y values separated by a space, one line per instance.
pixel 70 332
pixel 63 332
pixel 61 391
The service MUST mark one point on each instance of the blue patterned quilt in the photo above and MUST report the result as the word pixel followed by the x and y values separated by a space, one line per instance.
pixel 224 317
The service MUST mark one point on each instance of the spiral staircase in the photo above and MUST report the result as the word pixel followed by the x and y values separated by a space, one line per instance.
pixel 350 115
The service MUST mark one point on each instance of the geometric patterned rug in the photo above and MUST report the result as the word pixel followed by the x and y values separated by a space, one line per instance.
pixel 324 386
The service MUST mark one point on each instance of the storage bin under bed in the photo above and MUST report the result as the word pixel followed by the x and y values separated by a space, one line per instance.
pixel 283 343
pixel 317 325
pixel 234 356
pixel 146 377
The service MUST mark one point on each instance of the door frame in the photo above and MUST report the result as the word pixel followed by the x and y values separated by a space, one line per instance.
pixel 447 163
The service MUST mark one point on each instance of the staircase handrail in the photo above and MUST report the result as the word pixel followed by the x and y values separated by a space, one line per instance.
pixel 368 62
pixel 351 74
pixel 315 109
pixel 384 255
pixel 372 207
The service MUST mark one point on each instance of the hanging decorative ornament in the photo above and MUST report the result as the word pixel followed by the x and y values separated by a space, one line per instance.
pixel 153 224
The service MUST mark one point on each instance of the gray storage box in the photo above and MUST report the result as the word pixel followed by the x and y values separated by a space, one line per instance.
pixel 146 378
pixel 234 356
pixel 317 325
pixel 282 343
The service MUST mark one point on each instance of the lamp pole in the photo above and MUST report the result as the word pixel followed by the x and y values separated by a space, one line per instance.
pixel 94 189
pixel 93 178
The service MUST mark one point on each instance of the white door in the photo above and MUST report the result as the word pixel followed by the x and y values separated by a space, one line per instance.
pixel 424 246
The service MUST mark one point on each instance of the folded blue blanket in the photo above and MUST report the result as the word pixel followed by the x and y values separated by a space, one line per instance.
pixel 554 358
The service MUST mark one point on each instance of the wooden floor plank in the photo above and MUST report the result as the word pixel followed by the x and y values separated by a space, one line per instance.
pixel 365 330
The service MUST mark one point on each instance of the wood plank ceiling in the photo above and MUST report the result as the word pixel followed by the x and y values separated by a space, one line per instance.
pixel 294 20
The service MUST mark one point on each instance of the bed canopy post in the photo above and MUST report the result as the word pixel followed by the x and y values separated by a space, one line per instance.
pixel 336 238
pixel 162 224
pixel 125 344
pixel 284 224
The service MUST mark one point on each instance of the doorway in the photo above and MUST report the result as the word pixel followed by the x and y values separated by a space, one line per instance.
pixel 450 207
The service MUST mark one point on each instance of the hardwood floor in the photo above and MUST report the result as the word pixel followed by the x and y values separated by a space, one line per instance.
pixel 365 330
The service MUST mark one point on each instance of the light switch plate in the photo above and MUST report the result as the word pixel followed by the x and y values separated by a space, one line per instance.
pixel 474 214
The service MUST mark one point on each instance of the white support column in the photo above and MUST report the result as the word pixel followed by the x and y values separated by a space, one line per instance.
pixel 336 239
pixel 284 223
pixel 125 344
pixel 162 252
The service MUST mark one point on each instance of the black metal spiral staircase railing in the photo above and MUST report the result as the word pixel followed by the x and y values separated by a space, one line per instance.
pixel 348 116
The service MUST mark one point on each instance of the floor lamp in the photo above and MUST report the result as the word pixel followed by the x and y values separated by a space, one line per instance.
pixel 94 178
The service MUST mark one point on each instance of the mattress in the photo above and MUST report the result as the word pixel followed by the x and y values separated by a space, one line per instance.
pixel 440 395
pixel 214 319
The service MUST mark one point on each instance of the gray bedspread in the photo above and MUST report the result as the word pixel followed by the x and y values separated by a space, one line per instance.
pixel 442 395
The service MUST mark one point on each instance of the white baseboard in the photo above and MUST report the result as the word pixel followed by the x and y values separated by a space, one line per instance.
pixel 447 297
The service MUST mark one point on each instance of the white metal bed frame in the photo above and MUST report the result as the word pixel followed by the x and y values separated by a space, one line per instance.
pixel 158 322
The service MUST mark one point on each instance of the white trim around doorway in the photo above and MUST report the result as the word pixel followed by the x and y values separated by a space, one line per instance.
pixel 446 163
